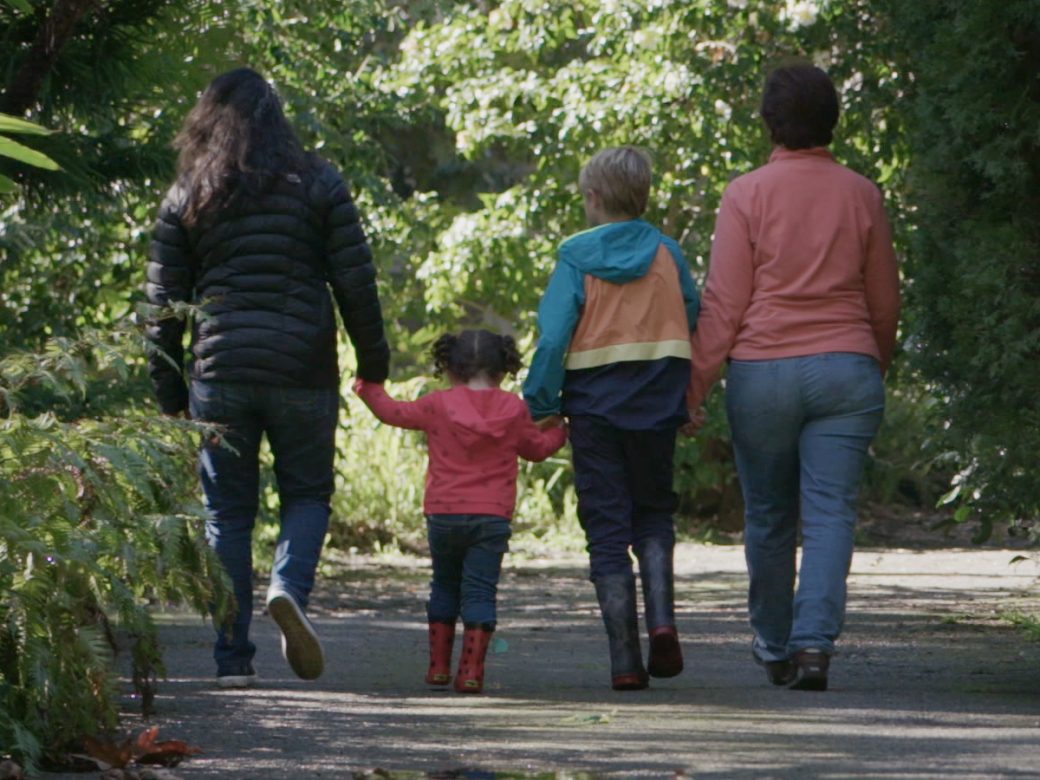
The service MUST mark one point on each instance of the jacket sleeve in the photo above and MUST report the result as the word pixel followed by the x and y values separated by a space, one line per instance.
pixel 558 316
pixel 414 415
pixel 727 295
pixel 691 298
pixel 881 283
pixel 352 276
pixel 170 279
pixel 536 444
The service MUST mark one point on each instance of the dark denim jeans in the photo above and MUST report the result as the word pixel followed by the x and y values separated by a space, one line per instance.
pixel 467 555
pixel 624 484
pixel 300 424
pixel 801 428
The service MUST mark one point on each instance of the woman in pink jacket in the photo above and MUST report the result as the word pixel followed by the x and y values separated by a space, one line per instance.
pixel 802 300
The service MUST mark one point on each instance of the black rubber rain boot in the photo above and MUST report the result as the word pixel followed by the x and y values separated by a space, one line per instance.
pixel 617 602
pixel 656 572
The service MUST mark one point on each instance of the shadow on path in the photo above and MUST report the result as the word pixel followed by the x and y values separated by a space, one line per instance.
pixel 928 682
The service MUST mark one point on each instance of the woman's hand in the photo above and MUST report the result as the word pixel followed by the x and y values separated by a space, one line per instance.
pixel 697 419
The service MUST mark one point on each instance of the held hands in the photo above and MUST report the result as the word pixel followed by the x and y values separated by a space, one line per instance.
pixel 552 421
pixel 697 419
pixel 360 385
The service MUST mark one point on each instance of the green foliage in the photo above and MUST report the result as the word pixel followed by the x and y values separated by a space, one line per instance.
pixel 463 129
pixel 71 247
pixel 10 125
pixel 529 90
pixel 974 295
pixel 97 519
pixel 463 126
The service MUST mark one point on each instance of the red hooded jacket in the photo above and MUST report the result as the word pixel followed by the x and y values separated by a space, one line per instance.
pixel 474 439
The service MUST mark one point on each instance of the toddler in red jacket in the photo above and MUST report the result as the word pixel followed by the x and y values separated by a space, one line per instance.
pixel 475 431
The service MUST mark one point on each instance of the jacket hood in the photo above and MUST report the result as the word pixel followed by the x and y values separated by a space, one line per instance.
pixel 615 252
pixel 482 413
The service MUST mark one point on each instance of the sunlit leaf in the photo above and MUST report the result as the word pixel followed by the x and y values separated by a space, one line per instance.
pixel 17 151
pixel 12 124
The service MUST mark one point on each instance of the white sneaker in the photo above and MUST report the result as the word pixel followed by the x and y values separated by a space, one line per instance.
pixel 300 643
pixel 240 678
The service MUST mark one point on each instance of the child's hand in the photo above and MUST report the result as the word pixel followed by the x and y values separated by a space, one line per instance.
pixel 552 421
pixel 359 385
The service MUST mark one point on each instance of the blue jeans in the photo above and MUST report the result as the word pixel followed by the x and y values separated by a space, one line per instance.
pixel 801 428
pixel 300 424
pixel 467 555
pixel 624 484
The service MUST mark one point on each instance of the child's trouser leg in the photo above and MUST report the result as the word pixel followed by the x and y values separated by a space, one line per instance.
pixel 605 511
pixel 446 536
pixel 650 457
pixel 604 495
pixel 488 541
pixel 482 566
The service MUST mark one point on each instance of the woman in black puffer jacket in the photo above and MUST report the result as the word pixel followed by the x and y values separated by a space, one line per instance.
pixel 256 233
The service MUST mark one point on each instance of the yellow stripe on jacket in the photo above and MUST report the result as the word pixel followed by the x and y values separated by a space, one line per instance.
pixel 644 319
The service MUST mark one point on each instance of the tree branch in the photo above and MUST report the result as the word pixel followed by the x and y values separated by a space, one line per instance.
pixel 24 86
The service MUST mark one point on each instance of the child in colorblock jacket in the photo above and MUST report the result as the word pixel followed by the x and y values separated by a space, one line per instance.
pixel 614 358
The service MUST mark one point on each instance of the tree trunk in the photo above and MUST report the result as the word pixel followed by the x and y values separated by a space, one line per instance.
pixel 23 88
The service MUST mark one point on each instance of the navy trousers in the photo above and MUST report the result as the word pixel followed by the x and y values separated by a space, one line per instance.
pixel 625 494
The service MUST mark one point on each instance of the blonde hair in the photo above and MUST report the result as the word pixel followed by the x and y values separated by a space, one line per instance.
pixel 621 177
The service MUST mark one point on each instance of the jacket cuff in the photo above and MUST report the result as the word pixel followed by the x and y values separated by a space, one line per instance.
pixel 540 413
pixel 375 370
pixel 174 400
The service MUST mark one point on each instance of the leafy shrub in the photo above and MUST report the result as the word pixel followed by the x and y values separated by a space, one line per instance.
pixel 98 517
pixel 973 112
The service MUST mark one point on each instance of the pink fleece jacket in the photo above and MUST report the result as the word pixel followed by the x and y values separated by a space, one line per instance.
pixel 474 439
pixel 802 263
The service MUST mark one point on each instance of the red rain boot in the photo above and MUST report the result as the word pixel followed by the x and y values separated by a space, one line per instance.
pixel 470 677
pixel 665 652
pixel 442 637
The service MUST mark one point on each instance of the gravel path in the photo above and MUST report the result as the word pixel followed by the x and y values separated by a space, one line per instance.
pixel 930 681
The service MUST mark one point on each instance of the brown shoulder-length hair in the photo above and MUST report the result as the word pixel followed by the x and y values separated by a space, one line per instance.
pixel 235 141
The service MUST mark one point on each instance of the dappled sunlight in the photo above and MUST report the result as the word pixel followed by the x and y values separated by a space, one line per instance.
pixel 918 688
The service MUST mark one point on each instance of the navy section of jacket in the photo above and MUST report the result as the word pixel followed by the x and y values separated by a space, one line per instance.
pixel 261 271
pixel 636 395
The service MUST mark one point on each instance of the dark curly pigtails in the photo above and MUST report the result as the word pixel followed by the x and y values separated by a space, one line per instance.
pixel 475 352
pixel 511 362
pixel 441 351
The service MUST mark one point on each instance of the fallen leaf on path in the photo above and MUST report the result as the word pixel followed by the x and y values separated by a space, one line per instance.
pixel 170 752
pixel 108 754
pixel 146 749
pixel 591 719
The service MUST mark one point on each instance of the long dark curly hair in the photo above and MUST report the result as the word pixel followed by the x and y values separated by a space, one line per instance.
pixel 473 352
pixel 234 142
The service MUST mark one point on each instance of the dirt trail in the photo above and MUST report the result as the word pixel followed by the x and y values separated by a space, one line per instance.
pixel 929 682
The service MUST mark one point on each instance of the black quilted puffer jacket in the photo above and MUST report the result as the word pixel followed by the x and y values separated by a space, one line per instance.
pixel 261 272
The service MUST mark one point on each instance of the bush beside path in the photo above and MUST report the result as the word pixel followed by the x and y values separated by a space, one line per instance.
pixel 931 680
